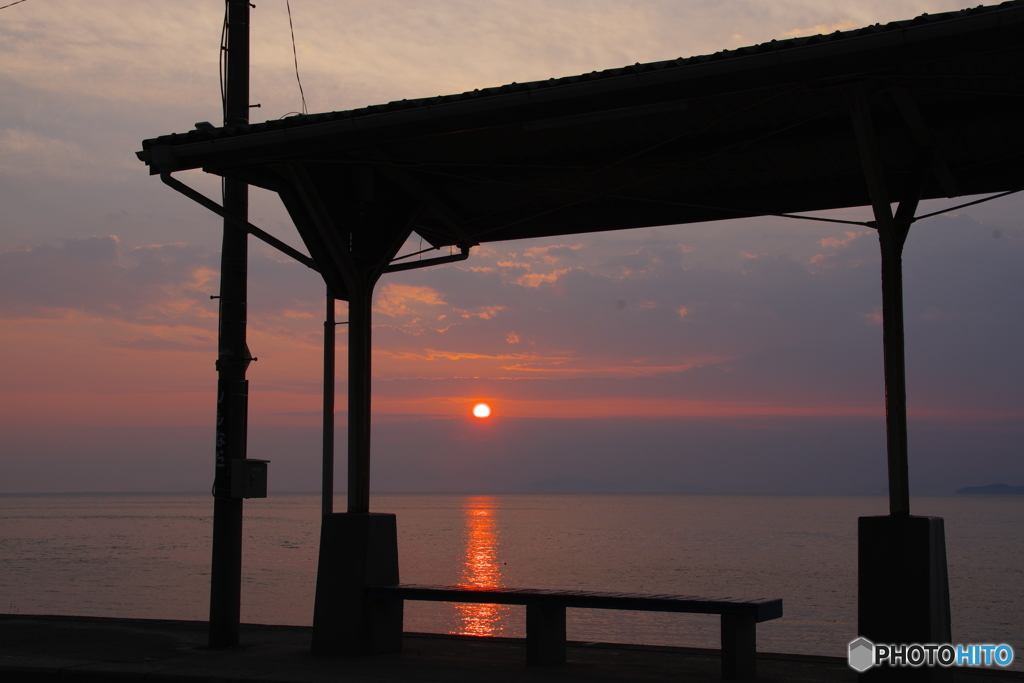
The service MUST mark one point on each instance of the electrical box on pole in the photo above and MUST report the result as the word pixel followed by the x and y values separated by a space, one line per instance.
pixel 248 478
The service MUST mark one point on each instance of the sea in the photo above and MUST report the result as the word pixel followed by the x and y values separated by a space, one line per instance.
pixel 148 555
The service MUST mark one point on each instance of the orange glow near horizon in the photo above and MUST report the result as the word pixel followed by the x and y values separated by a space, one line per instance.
pixel 614 406
pixel 481 569
pixel 481 411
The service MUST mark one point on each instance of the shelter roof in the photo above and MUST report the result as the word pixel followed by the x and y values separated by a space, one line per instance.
pixel 759 130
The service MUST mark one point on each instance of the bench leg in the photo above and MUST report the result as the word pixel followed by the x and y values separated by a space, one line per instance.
pixel 739 647
pixel 545 635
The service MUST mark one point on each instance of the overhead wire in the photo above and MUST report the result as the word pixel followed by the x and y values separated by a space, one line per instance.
pixel 220 64
pixel 295 56
pixel 12 4
pixel 223 93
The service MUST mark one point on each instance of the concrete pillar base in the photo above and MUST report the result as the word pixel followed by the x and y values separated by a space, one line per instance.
pixel 903 590
pixel 356 550
pixel 545 635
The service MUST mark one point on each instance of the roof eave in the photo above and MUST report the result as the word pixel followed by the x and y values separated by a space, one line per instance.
pixel 441 118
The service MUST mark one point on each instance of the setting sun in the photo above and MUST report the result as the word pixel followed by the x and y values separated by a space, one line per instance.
pixel 481 410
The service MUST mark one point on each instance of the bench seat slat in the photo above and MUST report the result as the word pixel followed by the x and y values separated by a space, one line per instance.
pixel 762 609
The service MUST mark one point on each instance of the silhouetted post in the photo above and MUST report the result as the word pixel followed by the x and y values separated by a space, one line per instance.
pixel 357 548
pixel 891 235
pixel 359 374
pixel 232 357
pixel 328 449
pixel 902 583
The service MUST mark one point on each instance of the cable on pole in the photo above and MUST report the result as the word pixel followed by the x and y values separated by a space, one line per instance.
pixel 220 66
pixel 295 56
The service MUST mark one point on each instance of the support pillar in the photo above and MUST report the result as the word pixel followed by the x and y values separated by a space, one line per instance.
pixel 359 376
pixel 357 548
pixel 903 589
pixel 892 233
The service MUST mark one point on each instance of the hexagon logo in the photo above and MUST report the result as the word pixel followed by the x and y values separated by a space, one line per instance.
pixel 862 655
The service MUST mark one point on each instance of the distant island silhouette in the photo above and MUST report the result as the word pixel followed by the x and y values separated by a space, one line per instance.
pixel 992 489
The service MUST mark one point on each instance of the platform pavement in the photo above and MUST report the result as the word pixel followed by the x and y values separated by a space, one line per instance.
pixel 85 649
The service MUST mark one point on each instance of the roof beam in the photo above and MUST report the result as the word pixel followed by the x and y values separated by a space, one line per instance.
pixel 324 231
pixel 406 182
pixel 240 222
pixel 922 135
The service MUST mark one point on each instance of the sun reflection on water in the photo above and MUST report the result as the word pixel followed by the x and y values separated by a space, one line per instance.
pixel 481 568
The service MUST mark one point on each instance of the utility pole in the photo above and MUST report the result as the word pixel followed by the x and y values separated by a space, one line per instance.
pixel 232 356
pixel 329 363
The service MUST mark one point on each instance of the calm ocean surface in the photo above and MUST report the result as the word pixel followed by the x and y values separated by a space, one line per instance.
pixel 148 556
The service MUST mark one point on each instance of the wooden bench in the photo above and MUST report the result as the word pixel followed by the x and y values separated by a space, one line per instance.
pixel 545 616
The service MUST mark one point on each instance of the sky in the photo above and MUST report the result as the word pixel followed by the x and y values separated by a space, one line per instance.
pixel 736 356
